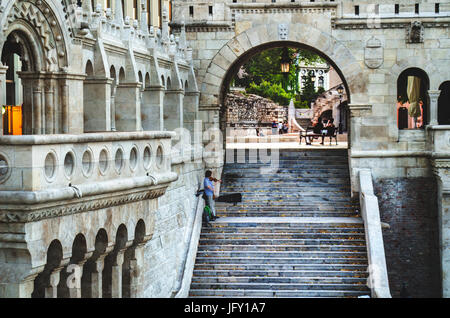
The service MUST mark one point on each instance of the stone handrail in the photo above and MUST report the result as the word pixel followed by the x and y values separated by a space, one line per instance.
pixel 378 277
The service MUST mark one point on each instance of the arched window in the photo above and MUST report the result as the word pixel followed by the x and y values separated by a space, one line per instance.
pixel 412 99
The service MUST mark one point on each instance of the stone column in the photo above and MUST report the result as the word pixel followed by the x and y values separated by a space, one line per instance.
pixel 75 288
pixel 136 270
pixel 64 108
pixel 3 70
pixel 97 108
pixel 173 109
pixel 113 107
pixel 128 107
pixel 96 275
pixel 152 108
pixel 51 291
pixel 49 110
pixel 434 95
pixel 116 275
pixel 37 111
pixel 441 168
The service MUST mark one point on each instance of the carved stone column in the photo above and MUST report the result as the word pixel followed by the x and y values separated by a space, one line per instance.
pixel 96 275
pixel 113 107
pixel 49 110
pixel 75 284
pixel 434 96
pixel 51 291
pixel 136 270
pixel 37 111
pixel 64 108
pixel 3 70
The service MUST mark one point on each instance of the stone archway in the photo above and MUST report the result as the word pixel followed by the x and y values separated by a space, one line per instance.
pixel 35 31
pixel 247 43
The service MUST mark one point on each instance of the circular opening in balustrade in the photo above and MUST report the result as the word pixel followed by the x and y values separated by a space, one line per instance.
pixel 147 157
pixel 50 166
pixel 103 161
pixel 133 158
pixel 159 156
pixel 69 163
pixel 118 160
pixel 86 163
pixel 4 168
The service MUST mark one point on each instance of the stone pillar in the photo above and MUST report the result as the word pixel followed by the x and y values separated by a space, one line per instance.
pixel 51 291
pixel 113 107
pixel 128 107
pixel 116 275
pixel 434 95
pixel 441 168
pixel 64 108
pixel 136 270
pixel 152 108
pixel 75 284
pixel 37 111
pixel 190 110
pixel 97 104
pixel 49 110
pixel 96 275
pixel 3 70
pixel 173 109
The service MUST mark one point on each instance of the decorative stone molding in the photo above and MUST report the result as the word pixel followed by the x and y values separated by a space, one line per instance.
pixel 373 53
pixel 40 213
pixel 414 33
pixel 359 110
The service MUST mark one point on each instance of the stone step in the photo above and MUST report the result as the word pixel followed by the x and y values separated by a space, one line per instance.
pixel 282 236
pixel 281 260
pixel 282 230
pixel 211 293
pixel 295 280
pixel 311 241
pixel 360 286
pixel 282 267
pixel 280 274
pixel 295 214
pixel 295 248
pixel 283 254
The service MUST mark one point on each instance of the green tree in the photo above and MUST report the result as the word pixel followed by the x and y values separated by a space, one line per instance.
pixel 266 67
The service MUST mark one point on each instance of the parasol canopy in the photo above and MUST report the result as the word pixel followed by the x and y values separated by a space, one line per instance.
pixel 413 91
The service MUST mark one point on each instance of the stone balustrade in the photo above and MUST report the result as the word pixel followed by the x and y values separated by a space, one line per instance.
pixel 37 163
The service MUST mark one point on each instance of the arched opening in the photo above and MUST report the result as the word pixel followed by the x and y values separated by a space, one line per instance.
pixel 18 56
pixel 112 273
pixel 70 281
pixel 43 286
pixel 444 104
pixel 295 81
pixel 412 99
pixel 91 282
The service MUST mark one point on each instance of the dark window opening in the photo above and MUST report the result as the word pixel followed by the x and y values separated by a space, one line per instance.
pixel 397 9
pixel 191 11
pixel 356 10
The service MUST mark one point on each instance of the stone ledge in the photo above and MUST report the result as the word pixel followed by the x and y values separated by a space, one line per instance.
pixel 89 137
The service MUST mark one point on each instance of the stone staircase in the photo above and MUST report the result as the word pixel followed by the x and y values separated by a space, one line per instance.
pixel 296 232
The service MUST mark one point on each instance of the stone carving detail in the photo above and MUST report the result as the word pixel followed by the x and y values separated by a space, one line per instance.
pixel 67 209
pixel 44 21
pixel 373 53
pixel 414 34
pixel 283 31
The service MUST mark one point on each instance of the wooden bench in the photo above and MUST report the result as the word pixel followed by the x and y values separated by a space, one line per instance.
pixel 332 133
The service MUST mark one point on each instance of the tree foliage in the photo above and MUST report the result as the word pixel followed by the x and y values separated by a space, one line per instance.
pixel 262 76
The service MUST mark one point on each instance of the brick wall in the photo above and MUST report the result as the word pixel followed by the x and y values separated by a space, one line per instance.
pixel 409 206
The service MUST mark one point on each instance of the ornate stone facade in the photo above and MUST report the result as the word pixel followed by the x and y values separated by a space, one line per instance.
pixel 98 198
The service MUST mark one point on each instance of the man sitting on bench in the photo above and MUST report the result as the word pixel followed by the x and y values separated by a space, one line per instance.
pixel 317 128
